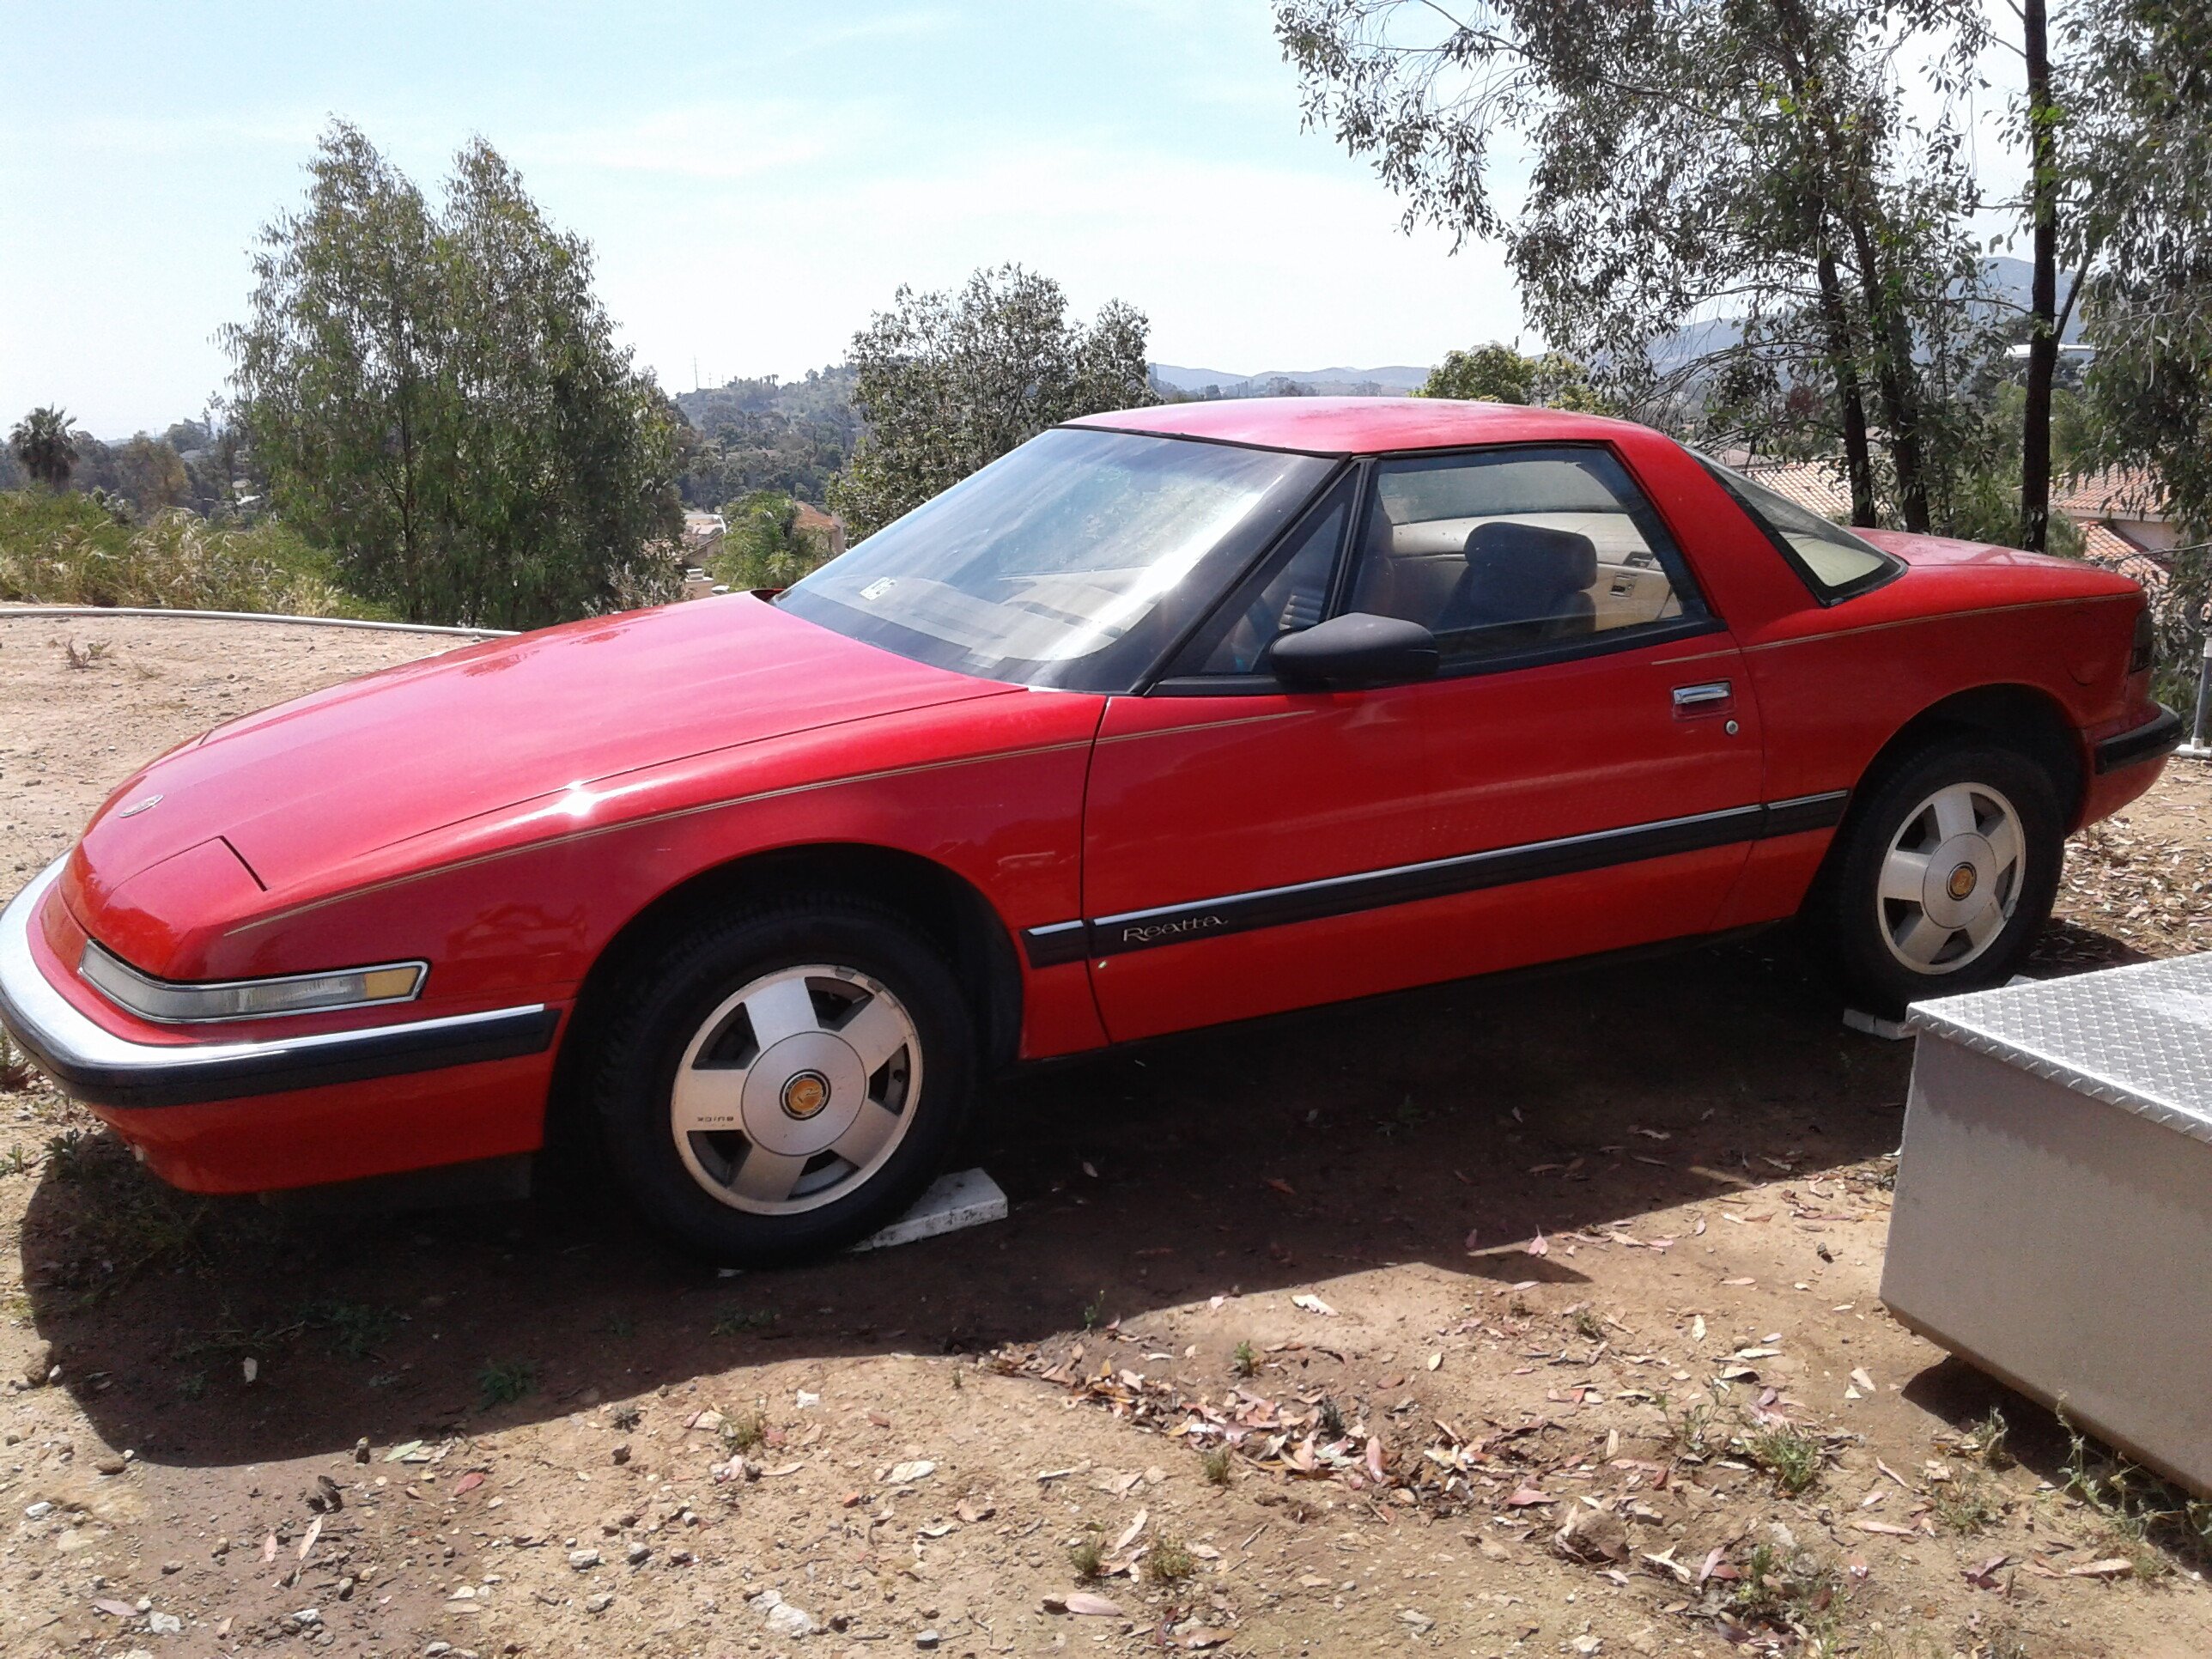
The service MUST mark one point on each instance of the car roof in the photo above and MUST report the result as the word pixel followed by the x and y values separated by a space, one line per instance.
pixel 1360 426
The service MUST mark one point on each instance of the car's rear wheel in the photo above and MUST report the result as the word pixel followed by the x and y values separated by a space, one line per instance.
pixel 1947 875
pixel 785 1081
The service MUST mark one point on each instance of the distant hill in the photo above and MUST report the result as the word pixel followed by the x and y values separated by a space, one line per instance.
pixel 2010 281
pixel 1391 379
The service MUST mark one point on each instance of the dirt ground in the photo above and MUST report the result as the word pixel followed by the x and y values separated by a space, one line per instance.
pixel 1681 1423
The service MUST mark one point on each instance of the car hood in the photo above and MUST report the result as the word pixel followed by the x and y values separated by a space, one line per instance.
pixel 300 789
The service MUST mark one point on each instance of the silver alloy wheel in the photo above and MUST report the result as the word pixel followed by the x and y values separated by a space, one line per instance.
pixel 1951 878
pixel 794 1092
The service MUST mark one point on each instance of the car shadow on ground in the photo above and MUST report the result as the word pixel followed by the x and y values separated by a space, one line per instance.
pixel 1289 1151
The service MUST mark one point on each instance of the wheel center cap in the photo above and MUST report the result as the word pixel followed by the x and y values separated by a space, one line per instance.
pixel 806 1093
pixel 1962 881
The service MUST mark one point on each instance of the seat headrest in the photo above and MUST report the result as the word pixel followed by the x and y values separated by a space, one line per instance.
pixel 1539 558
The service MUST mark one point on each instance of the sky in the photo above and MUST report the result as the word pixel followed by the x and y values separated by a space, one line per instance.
pixel 755 179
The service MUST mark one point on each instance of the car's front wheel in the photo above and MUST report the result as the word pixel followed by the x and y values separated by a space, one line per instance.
pixel 1946 874
pixel 785 1081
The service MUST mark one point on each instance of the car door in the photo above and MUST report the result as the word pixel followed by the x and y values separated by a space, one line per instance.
pixel 1582 774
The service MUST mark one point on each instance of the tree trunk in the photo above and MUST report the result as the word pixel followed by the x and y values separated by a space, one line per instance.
pixel 1893 373
pixel 2042 291
pixel 1858 459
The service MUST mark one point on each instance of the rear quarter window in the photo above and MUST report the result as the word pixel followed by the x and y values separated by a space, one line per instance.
pixel 1830 561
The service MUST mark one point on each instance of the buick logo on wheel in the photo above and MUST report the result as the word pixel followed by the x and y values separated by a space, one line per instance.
pixel 805 1094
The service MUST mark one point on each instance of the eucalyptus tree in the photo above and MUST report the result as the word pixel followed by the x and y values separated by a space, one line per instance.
pixel 1737 180
pixel 42 442
pixel 1502 375
pixel 434 392
pixel 2142 179
pixel 948 381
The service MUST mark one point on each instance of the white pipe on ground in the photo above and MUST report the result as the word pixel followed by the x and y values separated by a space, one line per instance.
pixel 98 610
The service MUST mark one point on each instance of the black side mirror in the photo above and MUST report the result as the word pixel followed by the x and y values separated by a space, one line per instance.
pixel 1353 650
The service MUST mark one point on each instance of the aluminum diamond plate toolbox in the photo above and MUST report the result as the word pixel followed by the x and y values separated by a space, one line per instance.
pixel 2053 1220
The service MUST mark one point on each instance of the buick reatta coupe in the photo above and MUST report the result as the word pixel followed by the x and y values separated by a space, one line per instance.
pixel 1170 717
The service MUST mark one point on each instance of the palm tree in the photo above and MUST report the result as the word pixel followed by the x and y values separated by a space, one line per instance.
pixel 42 443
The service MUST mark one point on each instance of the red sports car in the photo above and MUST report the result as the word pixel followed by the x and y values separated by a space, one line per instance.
pixel 1167 718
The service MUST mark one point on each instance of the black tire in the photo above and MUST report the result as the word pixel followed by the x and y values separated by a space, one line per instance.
pixel 1863 927
pixel 666 1011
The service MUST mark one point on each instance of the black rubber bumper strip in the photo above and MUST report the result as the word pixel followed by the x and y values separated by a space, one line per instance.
pixel 1337 896
pixel 2152 740
pixel 103 1068
pixel 395 1053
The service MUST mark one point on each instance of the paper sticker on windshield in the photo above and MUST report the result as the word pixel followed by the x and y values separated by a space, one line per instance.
pixel 876 590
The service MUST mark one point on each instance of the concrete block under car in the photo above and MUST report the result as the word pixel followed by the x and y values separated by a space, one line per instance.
pixel 2053 1213
pixel 966 1198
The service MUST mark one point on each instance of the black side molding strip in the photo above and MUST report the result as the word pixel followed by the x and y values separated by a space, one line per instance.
pixel 2154 738
pixel 1273 907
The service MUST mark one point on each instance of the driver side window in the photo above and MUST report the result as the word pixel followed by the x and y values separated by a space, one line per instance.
pixel 1508 550
pixel 1290 596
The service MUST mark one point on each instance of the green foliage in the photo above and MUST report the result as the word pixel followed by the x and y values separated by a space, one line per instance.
pixel 1790 1588
pixel 790 437
pixel 1694 159
pixel 949 381
pixel 736 1321
pixel 765 546
pixel 1218 1465
pixel 1970 1504
pixel 2144 1512
pixel 45 447
pixel 356 1329
pixel 1086 1557
pixel 745 1431
pixel 503 1381
pixel 436 394
pixel 1169 1561
pixel 57 549
pixel 1500 375
pixel 1790 1454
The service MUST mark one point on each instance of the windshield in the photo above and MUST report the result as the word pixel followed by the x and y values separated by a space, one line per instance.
pixel 1835 563
pixel 1074 562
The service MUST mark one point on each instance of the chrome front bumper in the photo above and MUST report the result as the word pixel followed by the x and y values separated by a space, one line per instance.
pixel 102 1069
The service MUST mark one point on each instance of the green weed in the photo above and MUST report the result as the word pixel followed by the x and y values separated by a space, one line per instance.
pixel 1788 1453
pixel 503 1381
pixel 736 1321
pixel 1169 1561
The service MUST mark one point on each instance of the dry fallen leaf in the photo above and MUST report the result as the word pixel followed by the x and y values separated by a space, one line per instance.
pixel 2112 1566
pixel 468 1482
pixel 1083 1604
pixel 1129 1534
pixel 1313 1305
pixel 1537 1246
pixel 1282 1186
pixel 1865 1384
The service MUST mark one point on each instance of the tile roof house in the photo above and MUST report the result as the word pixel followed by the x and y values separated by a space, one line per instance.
pixel 2121 513
pixel 827 525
